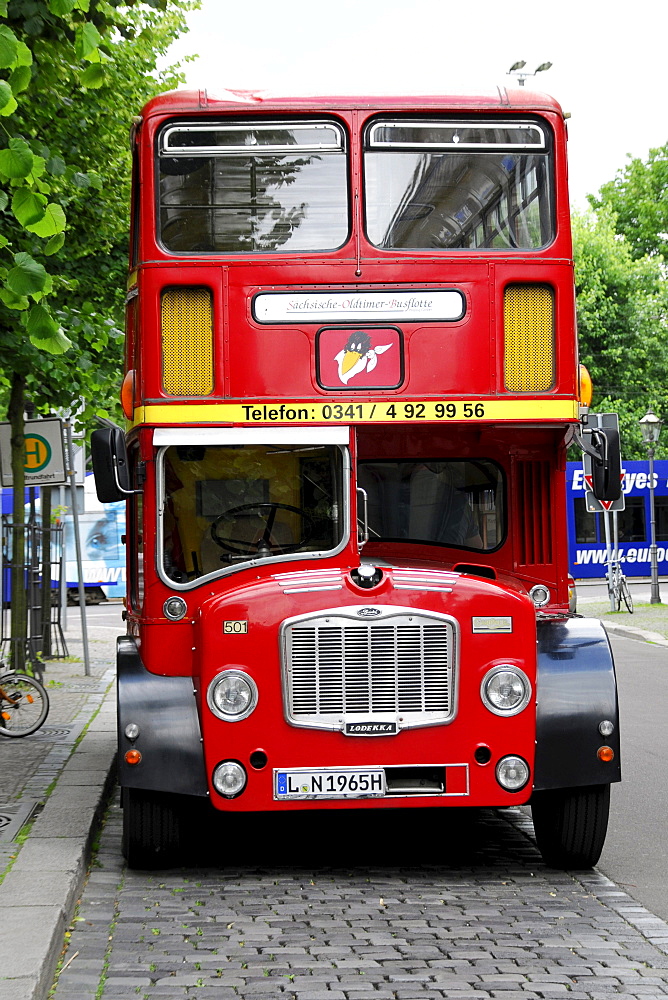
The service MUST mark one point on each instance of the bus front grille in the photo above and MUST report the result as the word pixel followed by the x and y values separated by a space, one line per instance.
pixel 399 667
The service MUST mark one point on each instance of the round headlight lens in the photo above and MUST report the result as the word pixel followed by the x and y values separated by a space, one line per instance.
pixel 540 595
pixel 232 695
pixel 174 608
pixel 512 773
pixel 229 778
pixel 505 690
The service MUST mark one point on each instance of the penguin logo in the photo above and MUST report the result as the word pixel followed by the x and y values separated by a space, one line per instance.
pixel 358 356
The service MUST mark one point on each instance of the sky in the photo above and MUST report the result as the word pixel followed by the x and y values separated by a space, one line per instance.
pixel 608 60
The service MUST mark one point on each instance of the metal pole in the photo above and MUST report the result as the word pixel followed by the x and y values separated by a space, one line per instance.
pixel 77 543
pixel 655 597
pixel 609 556
pixel 62 586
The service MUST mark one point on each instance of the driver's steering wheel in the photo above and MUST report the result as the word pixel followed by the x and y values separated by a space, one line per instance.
pixel 265 544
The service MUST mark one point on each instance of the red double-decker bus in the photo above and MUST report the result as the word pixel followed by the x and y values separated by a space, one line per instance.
pixel 352 378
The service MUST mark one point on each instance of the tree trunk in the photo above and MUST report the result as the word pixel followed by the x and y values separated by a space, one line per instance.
pixel 45 503
pixel 19 629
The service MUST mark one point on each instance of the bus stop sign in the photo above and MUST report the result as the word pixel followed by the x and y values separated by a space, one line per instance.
pixel 44 461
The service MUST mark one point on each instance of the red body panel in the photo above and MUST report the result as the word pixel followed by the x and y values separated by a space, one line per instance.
pixel 262 370
pixel 289 746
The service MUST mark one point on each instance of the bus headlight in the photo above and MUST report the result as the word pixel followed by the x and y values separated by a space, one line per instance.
pixel 229 778
pixel 232 695
pixel 512 773
pixel 540 595
pixel 175 608
pixel 505 690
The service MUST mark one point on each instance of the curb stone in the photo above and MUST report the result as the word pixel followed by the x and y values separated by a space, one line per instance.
pixel 630 632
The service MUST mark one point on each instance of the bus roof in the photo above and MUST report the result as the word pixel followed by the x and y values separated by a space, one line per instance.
pixel 501 99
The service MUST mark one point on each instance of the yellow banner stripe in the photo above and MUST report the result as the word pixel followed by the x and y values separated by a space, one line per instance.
pixel 353 411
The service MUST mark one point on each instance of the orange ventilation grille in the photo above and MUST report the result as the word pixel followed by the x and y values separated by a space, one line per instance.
pixel 534 513
pixel 528 319
pixel 187 342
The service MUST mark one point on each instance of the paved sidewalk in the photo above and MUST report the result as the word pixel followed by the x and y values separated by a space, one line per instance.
pixel 53 788
pixel 648 622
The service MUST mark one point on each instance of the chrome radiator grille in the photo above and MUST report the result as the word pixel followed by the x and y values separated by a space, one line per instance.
pixel 338 669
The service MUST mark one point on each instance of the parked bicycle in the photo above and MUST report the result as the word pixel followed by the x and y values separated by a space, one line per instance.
pixel 618 588
pixel 24 704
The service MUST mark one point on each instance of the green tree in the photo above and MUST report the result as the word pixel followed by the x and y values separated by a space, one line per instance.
pixel 75 71
pixel 622 306
pixel 638 197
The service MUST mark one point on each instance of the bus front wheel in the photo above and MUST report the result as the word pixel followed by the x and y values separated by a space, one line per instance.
pixel 152 829
pixel 570 825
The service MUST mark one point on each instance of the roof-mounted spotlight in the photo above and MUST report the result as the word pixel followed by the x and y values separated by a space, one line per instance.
pixel 517 67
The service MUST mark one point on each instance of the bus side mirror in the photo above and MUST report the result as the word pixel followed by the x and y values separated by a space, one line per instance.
pixel 110 464
pixel 606 464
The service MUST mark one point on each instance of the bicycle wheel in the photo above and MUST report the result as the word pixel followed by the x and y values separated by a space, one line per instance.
pixel 24 705
pixel 615 593
pixel 626 594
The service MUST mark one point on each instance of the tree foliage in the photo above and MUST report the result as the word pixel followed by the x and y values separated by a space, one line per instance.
pixel 638 198
pixel 75 71
pixel 72 74
pixel 622 322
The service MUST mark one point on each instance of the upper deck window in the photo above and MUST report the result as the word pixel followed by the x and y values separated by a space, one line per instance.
pixel 237 187
pixel 458 185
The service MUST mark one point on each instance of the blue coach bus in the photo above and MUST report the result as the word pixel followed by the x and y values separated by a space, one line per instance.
pixel 101 528
pixel 586 531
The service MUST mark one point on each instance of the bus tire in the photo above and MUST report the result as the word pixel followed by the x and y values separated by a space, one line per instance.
pixel 570 825
pixel 152 829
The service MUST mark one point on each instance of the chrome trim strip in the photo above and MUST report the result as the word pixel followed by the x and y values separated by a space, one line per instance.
pixel 457 144
pixel 439 580
pixel 257 148
pixel 309 580
pixel 305 590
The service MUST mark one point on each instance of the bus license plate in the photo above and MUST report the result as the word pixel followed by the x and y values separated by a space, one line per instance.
pixel 329 783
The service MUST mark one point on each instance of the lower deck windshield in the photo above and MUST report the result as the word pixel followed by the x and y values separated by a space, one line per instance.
pixel 227 505
pixel 455 503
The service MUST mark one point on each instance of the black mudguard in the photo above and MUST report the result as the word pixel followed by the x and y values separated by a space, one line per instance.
pixel 576 690
pixel 170 739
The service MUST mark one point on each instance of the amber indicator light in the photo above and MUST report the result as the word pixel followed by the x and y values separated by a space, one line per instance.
pixel 605 754
pixel 132 757
pixel 586 386
pixel 128 394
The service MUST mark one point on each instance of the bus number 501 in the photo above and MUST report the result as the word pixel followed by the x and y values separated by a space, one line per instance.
pixel 236 627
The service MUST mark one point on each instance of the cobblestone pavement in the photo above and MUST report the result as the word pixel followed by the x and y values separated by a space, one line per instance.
pixel 334 909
